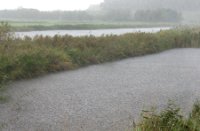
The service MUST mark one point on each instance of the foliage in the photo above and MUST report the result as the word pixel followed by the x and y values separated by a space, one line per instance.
pixel 181 5
pixel 109 10
pixel 170 119
pixel 4 32
pixel 29 57
pixel 159 15
pixel 33 14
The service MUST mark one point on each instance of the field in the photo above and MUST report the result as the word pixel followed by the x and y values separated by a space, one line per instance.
pixel 73 25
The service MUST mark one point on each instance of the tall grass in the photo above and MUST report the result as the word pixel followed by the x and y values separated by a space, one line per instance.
pixel 170 119
pixel 19 60
pixel 29 57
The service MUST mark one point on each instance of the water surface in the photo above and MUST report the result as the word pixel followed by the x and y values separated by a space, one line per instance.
pixel 106 97
pixel 90 32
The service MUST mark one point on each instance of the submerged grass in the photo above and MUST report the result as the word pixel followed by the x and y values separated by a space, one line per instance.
pixel 170 119
pixel 3 99
pixel 29 57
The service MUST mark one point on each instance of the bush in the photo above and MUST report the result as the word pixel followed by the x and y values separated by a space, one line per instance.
pixel 170 119
pixel 28 60
pixel 5 33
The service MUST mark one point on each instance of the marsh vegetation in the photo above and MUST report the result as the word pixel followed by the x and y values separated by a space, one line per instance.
pixel 170 119
pixel 23 58
pixel 28 57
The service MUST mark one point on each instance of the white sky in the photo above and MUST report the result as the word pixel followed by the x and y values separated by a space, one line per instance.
pixel 48 5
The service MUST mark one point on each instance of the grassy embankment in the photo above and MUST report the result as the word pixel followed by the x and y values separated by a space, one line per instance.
pixel 62 25
pixel 26 58
pixel 170 119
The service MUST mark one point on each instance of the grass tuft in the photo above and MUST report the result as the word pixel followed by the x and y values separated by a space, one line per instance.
pixel 170 119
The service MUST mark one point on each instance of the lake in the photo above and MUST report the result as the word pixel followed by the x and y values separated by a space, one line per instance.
pixel 99 32
pixel 105 97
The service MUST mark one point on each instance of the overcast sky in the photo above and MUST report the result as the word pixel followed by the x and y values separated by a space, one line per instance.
pixel 48 5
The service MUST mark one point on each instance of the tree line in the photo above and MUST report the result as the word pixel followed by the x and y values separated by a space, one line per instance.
pixel 160 15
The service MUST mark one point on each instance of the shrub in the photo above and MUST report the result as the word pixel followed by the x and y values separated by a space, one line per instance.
pixel 170 119
pixel 5 32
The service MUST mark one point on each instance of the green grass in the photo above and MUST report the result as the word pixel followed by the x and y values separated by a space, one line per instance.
pixel 69 25
pixel 170 119
pixel 3 97
pixel 19 60
pixel 2 125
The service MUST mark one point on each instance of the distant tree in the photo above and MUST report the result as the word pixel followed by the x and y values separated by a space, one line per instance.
pixel 33 14
pixel 117 15
pixel 180 5
pixel 4 31
pixel 159 15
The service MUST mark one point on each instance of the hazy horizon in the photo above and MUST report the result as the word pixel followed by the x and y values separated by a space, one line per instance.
pixel 64 5
pixel 103 10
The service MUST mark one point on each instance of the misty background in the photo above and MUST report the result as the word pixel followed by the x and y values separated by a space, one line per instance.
pixel 175 11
